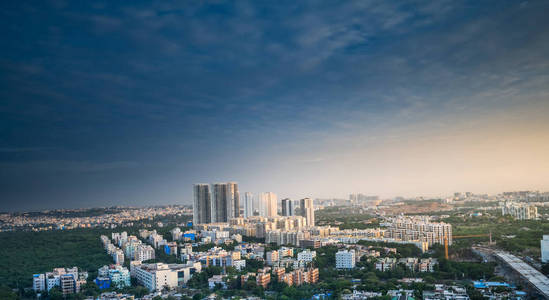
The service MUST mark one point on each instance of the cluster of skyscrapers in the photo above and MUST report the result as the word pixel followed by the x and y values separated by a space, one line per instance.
pixel 220 202
pixel 215 203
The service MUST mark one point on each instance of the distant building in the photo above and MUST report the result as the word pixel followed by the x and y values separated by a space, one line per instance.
pixel 306 255
pixel 156 277
pixel 263 279
pixel 310 243
pixel 202 205
pixel 345 259
pixel 287 207
pixel 248 205
pixel 268 205
pixel 520 211
pixel 225 202
pixel 419 229
pixel 307 210
pixel 39 282
pixel 113 276
pixel 545 249
pixel 68 280
pixel 216 203
pixel 272 257
pixel 220 280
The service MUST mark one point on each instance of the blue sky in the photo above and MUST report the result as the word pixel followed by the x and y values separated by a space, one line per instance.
pixel 106 103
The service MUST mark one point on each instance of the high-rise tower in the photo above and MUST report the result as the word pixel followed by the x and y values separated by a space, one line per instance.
pixel 287 207
pixel 202 204
pixel 248 205
pixel 225 202
pixel 268 203
pixel 307 210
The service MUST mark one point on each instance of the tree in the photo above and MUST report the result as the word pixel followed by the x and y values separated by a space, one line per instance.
pixel 545 269
pixel 55 293
pixel 90 289
pixel 7 293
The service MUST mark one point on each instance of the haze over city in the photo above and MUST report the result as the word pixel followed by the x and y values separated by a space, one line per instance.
pixel 105 103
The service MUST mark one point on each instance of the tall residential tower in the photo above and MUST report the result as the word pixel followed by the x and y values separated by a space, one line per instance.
pixel 268 203
pixel 225 202
pixel 216 203
pixel 307 210
pixel 202 210
pixel 248 205
pixel 287 207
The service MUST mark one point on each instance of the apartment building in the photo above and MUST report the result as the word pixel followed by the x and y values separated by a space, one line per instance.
pixel 69 280
pixel 520 211
pixel 345 259
pixel 158 276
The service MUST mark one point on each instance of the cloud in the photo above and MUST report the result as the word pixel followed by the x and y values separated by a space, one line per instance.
pixel 243 85
pixel 54 166
pixel 24 149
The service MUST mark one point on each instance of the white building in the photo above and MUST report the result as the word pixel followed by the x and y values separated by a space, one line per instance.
pixel 307 210
pixel 118 257
pixel 306 256
pixel 545 249
pixel 272 257
pixel 119 275
pixel 69 280
pixel 345 259
pixel 156 277
pixel 39 282
pixel 521 211
pixel 268 205
pixel 217 280
pixel 239 264
pixel 248 205
pixel 144 253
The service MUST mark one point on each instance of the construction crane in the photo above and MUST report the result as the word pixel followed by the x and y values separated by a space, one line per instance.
pixel 463 237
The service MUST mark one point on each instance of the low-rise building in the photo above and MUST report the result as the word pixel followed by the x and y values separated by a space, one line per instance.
pixel 263 279
pixel 219 280
pixel 117 276
pixel 386 263
pixel 442 292
pixel 159 276
pixel 69 280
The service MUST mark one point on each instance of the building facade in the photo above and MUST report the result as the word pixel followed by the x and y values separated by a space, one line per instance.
pixel 345 259
pixel 520 211
pixel 202 205
pixel 545 249
pixel 268 205
pixel 287 207
pixel 248 205
pixel 225 202
pixel 307 210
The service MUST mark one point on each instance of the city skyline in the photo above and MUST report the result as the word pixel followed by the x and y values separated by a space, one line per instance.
pixel 132 103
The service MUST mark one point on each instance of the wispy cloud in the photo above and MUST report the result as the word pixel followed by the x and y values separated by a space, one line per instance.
pixel 54 166
pixel 24 149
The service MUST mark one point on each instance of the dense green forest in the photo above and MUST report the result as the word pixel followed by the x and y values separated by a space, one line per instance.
pixel 25 253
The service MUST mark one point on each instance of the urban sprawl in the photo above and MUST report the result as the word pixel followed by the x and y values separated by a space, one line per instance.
pixel 256 242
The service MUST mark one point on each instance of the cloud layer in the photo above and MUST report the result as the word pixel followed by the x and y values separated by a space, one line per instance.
pixel 130 103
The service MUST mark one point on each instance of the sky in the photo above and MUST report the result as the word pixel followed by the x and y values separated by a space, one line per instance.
pixel 131 102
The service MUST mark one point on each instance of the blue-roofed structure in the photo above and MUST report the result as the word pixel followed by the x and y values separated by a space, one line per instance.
pixel 490 284
pixel 103 282
pixel 189 236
